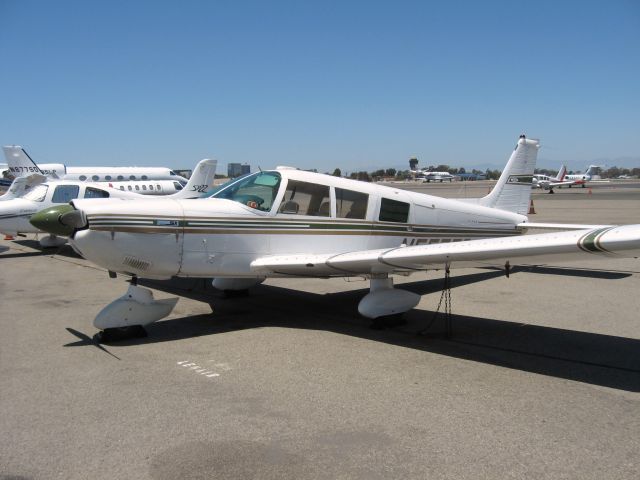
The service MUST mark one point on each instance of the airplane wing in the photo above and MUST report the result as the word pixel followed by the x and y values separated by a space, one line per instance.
pixel 564 183
pixel 618 241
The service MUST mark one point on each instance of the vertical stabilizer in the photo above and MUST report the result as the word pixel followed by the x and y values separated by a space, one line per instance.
pixel 19 162
pixel 200 183
pixel 513 190
pixel 561 173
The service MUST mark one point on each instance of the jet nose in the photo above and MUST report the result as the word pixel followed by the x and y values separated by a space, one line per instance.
pixel 60 220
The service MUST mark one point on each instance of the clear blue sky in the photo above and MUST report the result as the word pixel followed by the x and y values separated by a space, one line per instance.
pixel 323 84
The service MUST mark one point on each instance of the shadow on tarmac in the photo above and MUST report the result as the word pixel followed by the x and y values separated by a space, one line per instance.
pixel 64 250
pixel 591 358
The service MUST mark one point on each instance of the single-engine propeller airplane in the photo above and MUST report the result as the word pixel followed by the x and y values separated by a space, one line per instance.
pixel 15 211
pixel 291 223
pixel 548 183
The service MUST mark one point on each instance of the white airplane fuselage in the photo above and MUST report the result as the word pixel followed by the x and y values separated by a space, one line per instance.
pixel 219 237
pixel 15 213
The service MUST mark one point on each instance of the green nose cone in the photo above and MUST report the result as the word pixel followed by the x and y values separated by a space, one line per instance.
pixel 48 220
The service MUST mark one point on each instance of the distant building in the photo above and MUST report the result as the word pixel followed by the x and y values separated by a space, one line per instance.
pixel 237 169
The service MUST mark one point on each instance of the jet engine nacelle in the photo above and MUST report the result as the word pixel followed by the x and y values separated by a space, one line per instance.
pixel 235 283
pixel 53 169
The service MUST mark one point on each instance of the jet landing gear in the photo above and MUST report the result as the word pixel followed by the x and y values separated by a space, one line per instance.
pixel 126 316
pixel 385 304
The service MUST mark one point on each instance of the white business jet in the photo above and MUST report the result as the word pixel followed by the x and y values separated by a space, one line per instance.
pixel 582 178
pixel 20 164
pixel 291 223
pixel 428 176
pixel 15 212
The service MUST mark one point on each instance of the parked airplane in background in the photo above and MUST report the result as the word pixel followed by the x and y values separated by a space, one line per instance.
pixel 427 175
pixel 20 164
pixel 291 223
pixel 548 183
pixel 583 178
pixel 16 212
pixel 21 185
pixel 436 176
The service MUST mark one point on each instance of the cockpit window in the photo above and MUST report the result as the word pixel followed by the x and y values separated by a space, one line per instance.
pixel 65 193
pixel 37 194
pixel 304 198
pixel 91 192
pixel 257 190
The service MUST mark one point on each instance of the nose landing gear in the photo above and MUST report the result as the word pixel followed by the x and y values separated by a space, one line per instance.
pixel 126 316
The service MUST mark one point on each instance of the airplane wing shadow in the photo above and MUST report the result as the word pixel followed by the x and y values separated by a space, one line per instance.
pixel 591 358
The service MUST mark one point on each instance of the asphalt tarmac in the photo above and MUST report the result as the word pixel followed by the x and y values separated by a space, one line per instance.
pixel 541 378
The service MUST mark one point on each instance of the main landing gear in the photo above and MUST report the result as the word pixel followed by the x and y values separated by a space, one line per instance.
pixel 126 316
pixel 385 304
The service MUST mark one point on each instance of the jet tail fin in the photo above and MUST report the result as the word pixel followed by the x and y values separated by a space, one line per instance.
pixel 19 163
pixel 562 173
pixel 201 181
pixel 513 190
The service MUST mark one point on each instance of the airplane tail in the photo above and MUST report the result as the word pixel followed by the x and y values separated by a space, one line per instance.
pixel 19 163
pixel 513 190
pixel 592 170
pixel 562 173
pixel 200 183
pixel 20 186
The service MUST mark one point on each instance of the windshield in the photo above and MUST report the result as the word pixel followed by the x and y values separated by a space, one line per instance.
pixel 37 194
pixel 256 190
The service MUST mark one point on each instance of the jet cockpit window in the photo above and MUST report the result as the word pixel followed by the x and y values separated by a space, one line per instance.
pixel 393 211
pixel 178 186
pixel 350 204
pixel 257 190
pixel 304 198
pixel 37 194
pixel 91 192
pixel 65 193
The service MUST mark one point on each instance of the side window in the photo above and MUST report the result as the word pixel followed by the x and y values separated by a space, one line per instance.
pixel 137 187
pixel 303 198
pixel 150 187
pixel 122 187
pixel 65 193
pixel 158 187
pixel 144 187
pixel 129 187
pixel 350 204
pixel 91 192
pixel 83 177
pixel 393 211
pixel 95 178
pixel 120 177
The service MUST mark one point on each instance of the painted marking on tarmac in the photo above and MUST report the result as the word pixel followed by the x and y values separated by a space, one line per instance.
pixel 205 371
